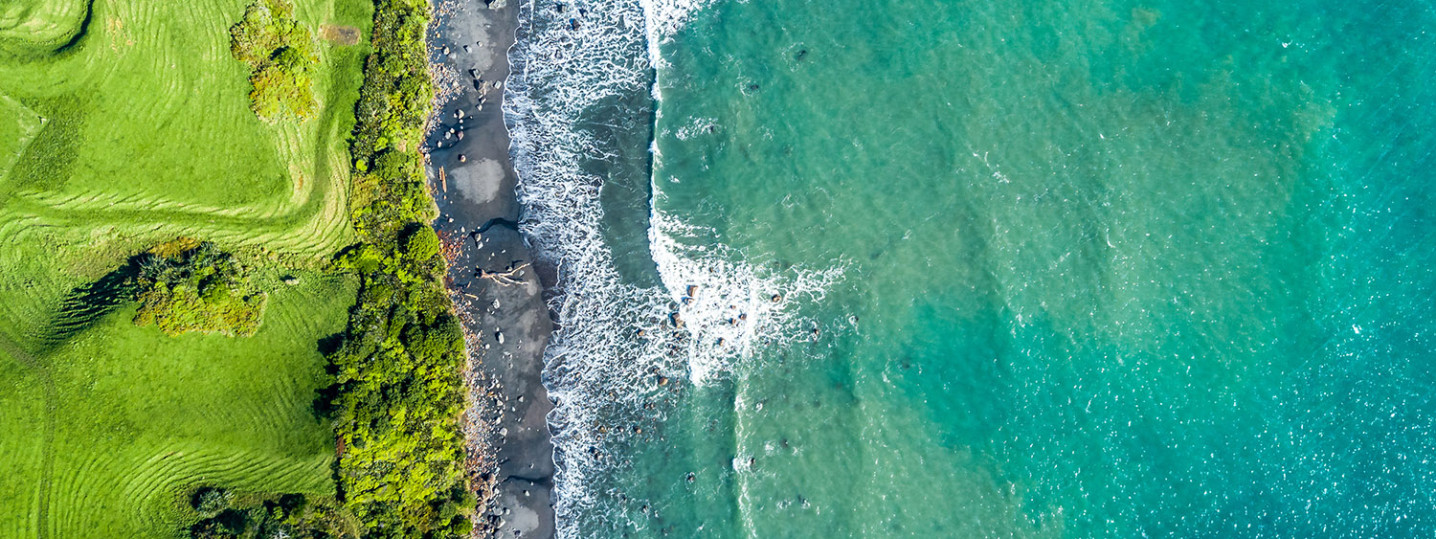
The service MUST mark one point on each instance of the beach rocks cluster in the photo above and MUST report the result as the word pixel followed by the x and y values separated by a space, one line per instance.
pixel 497 295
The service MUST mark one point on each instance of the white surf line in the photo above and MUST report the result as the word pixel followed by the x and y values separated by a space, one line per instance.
pixel 616 344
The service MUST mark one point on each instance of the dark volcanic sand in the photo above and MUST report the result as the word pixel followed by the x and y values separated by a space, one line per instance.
pixel 477 211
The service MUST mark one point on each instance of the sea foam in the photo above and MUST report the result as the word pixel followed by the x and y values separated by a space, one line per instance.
pixel 619 345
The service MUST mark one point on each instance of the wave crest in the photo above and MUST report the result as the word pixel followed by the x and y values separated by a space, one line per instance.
pixel 618 345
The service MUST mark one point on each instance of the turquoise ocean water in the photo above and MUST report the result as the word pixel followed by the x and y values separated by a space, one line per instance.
pixel 948 268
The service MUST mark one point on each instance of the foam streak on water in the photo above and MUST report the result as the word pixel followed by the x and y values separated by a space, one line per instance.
pixel 618 343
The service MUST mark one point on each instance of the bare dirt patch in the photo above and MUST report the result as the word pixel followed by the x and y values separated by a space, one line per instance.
pixel 342 35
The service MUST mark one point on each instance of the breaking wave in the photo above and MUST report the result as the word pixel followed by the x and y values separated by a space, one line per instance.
pixel 618 344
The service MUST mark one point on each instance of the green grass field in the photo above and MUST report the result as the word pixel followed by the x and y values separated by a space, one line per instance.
pixel 126 124
pixel 104 434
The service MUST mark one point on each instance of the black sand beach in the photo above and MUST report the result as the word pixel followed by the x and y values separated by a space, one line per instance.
pixel 497 292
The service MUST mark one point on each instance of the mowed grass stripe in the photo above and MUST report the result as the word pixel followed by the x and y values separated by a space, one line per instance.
pixel 232 412
pixel 147 135
pixel 38 27
pixel 306 217
pixel 27 457
pixel 174 472
pixel 207 123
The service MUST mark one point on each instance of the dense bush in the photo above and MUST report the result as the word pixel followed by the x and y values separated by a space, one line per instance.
pixel 197 288
pixel 398 390
pixel 227 516
pixel 209 502
pixel 281 54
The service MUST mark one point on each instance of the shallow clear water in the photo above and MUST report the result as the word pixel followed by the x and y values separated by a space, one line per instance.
pixel 1014 268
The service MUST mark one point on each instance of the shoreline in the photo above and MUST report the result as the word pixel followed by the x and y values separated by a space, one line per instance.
pixel 497 293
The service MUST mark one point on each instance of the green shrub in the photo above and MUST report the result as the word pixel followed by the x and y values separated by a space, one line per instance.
pixel 422 244
pixel 398 391
pixel 210 501
pixel 281 55
pixel 265 25
pixel 273 515
pixel 201 289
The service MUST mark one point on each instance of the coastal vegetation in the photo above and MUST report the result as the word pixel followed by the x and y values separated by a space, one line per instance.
pixel 398 389
pixel 124 125
pixel 227 515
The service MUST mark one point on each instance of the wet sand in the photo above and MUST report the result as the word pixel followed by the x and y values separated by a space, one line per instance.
pixel 498 295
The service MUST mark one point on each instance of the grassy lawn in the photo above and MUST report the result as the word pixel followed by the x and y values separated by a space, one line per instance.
pixel 134 419
pixel 147 135
pixel 122 125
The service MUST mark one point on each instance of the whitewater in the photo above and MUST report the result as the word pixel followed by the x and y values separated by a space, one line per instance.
pixel 618 345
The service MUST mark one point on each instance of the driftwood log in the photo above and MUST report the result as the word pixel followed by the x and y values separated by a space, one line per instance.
pixel 506 278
